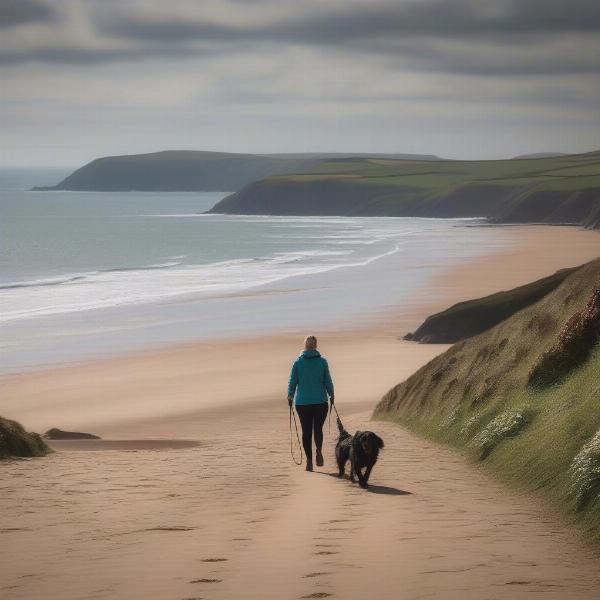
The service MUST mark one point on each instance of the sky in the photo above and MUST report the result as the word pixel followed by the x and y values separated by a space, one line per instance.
pixel 456 78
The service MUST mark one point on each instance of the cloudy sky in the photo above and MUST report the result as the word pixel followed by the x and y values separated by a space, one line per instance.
pixel 457 78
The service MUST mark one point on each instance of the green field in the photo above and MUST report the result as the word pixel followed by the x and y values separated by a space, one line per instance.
pixel 560 189
pixel 480 396
pixel 439 175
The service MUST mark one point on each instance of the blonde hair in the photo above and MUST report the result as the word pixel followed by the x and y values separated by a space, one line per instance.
pixel 310 343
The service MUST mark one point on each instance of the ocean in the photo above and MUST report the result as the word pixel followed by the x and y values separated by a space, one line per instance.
pixel 83 274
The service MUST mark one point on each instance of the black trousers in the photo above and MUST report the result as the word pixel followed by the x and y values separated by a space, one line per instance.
pixel 312 418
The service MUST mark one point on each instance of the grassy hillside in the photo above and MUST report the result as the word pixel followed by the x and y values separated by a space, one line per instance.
pixel 187 171
pixel 177 171
pixel 523 398
pixel 15 441
pixel 555 189
pixel 469 318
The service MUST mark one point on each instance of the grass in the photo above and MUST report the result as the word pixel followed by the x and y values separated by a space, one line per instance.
pixel 15 441
pixel 585 473
pixel 579 169
pixel 469 318
pixel 506 425
pixel 502 190
pixel 477 397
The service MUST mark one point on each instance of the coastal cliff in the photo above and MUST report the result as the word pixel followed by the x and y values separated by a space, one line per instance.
pixel 177 171
pixel 189 170
pixel 556 190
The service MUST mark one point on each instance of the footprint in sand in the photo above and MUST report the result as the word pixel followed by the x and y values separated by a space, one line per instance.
pixel 325 552
pixel 338 521
pixel 214 560
pixel 317 595
pixel 317 574
pixel 204 580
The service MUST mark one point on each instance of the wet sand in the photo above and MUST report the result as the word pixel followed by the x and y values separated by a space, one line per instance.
pixel 233 517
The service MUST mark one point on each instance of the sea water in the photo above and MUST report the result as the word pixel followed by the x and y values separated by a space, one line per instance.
pixel 88 273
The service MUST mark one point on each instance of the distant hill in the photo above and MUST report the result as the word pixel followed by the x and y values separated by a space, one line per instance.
pixel 539 155
pixel 561 189
pixel 187 171
pixel 345 155
pixel 523 397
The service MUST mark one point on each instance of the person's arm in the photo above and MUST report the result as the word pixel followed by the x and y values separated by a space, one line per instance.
pixel 328 382
pixel 292 383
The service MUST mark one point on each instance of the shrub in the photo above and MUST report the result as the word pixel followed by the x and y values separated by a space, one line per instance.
pixel 573 346
pixel 585 473
pixel 451 418
pixel 506 424
pixel 469 427
pixel 15 441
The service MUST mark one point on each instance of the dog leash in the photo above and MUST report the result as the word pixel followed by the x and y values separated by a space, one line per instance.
pixel 329 417
pixel 292 415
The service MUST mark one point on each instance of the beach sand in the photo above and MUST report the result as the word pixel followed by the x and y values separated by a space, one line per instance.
pixel 232 517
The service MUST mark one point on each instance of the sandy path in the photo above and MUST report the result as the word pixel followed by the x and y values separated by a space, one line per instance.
pixel 234 518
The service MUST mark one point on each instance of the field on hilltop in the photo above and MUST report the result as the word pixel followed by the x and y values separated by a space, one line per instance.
pixel 556 189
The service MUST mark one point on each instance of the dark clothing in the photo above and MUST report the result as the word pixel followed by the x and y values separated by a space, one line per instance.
pixel 312 418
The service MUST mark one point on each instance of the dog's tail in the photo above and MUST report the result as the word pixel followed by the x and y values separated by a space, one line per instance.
pixel 340 426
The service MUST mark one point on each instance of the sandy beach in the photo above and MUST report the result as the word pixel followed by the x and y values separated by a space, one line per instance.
pixel 228 515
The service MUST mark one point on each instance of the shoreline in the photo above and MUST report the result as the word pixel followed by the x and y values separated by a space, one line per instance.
pixel 338 274
pixel 141 375
pixel 150 513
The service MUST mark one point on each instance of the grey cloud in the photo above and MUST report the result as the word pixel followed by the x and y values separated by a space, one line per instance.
pixel 90 56
pixel 401 32
pixel 20 12
pixel 440 18
pixel 427 56
pixel 172 30
pixel 431 36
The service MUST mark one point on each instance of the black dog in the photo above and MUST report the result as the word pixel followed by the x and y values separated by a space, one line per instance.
pixel 364 451
pixel 361 450
pixel 342 448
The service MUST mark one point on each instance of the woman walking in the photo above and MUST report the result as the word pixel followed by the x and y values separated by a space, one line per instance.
pixel 310 383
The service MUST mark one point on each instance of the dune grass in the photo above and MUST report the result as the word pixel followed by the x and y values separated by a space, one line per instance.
pixel 478 397
pixel 469 318
pixel 15 441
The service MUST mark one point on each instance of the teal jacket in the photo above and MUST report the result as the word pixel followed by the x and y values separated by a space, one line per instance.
pixel 310 380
